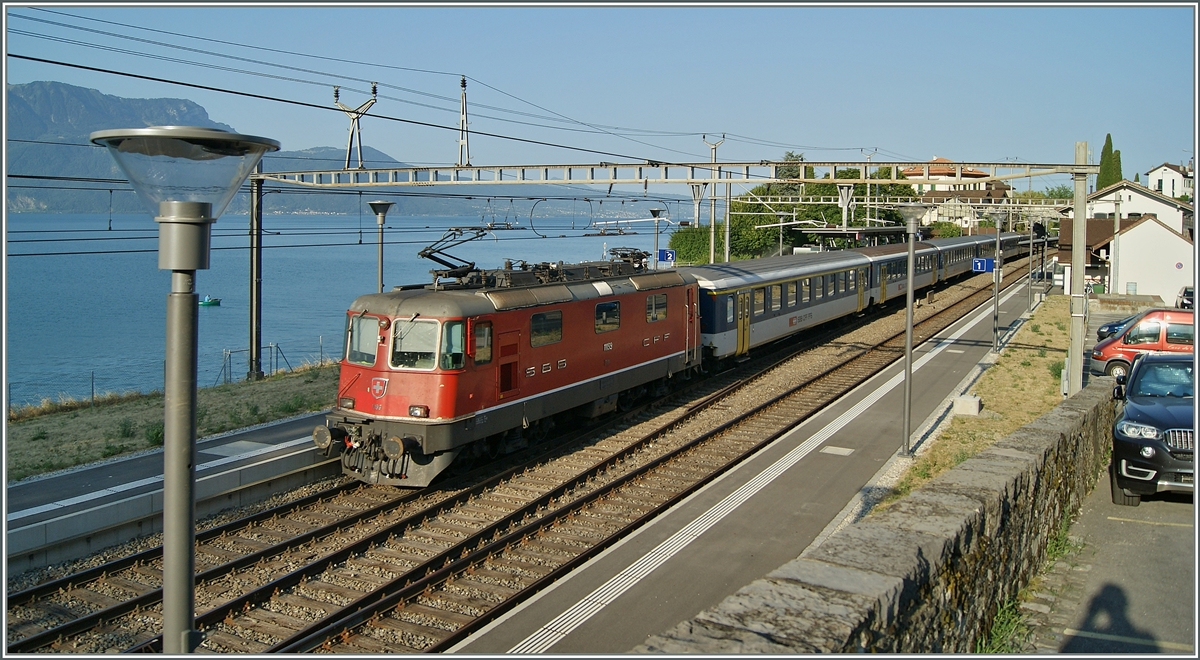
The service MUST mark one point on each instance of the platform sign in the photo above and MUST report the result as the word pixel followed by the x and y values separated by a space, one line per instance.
pixel 983 265
pixel 666 255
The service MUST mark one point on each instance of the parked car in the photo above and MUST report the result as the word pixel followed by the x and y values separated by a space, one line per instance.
pixel 1153 446
pixel 1185 299
pixel 1158 330
pixel 1109 329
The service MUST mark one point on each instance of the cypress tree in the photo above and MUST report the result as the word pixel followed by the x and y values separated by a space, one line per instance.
pixel 1107 176
pixel 1116 167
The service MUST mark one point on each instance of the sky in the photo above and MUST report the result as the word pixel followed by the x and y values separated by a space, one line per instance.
pixel 583 84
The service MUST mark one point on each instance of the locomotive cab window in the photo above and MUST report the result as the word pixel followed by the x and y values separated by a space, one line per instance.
pixel 362 338
pixel 608 316
pixel 414 344
pixel 545 328
pixel 483 342
pixel 453 345
pixel 656 307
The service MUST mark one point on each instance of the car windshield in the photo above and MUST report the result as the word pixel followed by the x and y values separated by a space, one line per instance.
pixel 1173 379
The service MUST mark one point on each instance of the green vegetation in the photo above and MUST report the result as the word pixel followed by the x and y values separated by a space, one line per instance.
pixel 1110 165
pixel 66 433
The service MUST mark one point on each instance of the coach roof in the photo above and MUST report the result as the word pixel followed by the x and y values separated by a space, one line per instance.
pixel 753 272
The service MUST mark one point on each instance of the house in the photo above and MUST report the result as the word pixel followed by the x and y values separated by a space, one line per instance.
pixel 1099 232
pixel 1139 201
pixel 1172 180
pixel 1152 259
pixel 964 207
pixel 956 176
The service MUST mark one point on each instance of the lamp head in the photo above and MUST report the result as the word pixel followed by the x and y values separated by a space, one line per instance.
pixel 380 207
pixel 656 212
pixel 184 163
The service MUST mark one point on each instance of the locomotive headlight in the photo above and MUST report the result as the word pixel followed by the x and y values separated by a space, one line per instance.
pixel 418 411
pixel 346 402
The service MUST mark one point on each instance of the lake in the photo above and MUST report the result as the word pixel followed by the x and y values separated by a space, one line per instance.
pixel 86 303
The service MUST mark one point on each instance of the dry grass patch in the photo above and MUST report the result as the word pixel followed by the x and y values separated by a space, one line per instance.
pixel 80 434
pixel 1023 384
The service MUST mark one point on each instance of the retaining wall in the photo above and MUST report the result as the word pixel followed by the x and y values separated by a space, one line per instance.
pixel 928 574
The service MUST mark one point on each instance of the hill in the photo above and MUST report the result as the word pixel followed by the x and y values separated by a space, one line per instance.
pixel 52 168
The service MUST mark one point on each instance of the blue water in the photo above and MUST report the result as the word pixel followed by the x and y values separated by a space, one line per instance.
pixel 95 311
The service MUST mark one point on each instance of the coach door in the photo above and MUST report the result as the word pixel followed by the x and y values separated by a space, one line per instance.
pixel 509 345
pixel 743 322
pixel 862 282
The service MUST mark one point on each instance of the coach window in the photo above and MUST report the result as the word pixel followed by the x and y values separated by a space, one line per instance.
pixel 805 291
pixel 545 328
pixel 453 351
pixel 656 307
pixel 483 342
pixel 760 301
pixel 852 282
pixel 414 344
pixel 791 294
pixel 608 316
pixel 776 296
pixel 818 288
pixel 362 339
pixel 841 282
pixel 729 309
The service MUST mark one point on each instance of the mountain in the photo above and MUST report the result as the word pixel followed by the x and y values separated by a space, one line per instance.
pixel 53 168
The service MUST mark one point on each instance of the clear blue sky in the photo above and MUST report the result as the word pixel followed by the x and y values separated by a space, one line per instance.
pixel 969 83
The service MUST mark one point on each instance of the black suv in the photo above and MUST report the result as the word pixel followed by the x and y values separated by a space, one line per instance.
pixel 1152 437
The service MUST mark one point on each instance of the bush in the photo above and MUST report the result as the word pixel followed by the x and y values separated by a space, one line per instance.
pixel 1056 370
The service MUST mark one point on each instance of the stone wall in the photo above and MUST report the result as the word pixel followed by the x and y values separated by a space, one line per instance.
pixel 928 574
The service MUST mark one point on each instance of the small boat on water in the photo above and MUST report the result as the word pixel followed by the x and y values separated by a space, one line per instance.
pixel 208 301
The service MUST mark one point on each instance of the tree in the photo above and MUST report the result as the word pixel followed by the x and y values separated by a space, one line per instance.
pixel 1061 191
pixel 1110 165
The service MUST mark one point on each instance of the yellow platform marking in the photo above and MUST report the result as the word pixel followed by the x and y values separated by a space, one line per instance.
pixel 1150 522
pixel 1129 640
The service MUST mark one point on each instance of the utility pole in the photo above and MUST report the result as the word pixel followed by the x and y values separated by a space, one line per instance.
pixel 355 128
pixel 1078 296
pixel 712 204
pixel 867 175
pixel 464 150
pixel 1113 282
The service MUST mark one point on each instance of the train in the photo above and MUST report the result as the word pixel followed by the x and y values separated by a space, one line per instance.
pixel 483 363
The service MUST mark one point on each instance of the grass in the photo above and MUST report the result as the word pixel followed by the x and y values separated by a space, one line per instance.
pixel 60 434
pixel 1024 383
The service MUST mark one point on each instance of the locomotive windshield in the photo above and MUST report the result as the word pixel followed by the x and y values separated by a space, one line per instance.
pixel 414 344
pixel 452 345
pixel 362 336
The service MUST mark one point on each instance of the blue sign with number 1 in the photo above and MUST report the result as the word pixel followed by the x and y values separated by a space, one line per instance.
pixel 983 265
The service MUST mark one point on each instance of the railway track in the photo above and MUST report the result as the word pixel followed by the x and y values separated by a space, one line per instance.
pixel 365 569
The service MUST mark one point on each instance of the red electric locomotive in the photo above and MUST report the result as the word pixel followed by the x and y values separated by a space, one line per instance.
pixel 483 364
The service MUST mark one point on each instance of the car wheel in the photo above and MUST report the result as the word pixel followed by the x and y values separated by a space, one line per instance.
pixel 1118 494
pixel 1115 369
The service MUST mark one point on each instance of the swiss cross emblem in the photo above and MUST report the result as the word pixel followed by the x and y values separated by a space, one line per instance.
pixel 378 387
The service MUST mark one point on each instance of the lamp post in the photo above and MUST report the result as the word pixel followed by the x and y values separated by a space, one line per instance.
pixel 656 213
pixel 912 214
pixel 380 208
pixel 997 269
pixel 186 177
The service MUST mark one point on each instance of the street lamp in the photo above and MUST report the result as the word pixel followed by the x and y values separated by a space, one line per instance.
pixel 997 270
pixel 380 208
pixel 912 214
pixel 185 176
pixel 656 213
